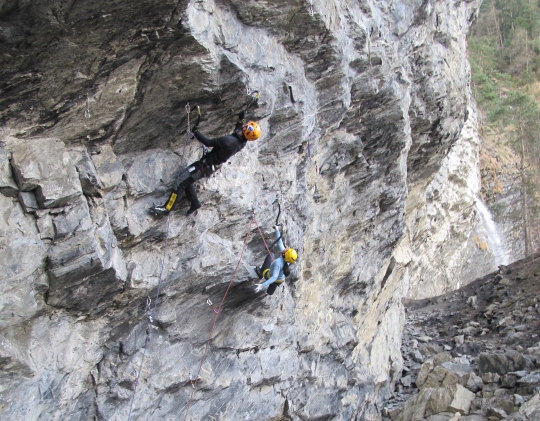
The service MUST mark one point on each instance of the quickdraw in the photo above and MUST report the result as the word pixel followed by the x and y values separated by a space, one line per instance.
pixel 190 130
pixel 216 310
pixel 147 309
pixel 255 95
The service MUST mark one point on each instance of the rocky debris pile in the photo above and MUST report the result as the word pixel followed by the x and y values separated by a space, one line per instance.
pixel 473 354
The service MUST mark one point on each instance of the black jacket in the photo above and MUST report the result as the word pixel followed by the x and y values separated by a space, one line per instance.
pixel 223 147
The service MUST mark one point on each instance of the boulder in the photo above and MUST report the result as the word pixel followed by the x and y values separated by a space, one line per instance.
pixel 502 363
pixel 7 184
pixel 88 175
pixel 433 401
pixel 461 399
pixel 528 384
pixel 45 166
pixel 108 167
pixel 415 408
pixel 442 370
pixel 28 201
pixel 530 410
pixel 474 383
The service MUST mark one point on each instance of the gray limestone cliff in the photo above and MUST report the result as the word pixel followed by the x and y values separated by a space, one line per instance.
pixel 369 143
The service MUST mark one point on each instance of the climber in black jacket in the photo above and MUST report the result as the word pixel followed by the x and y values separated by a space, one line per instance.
pixel 223 148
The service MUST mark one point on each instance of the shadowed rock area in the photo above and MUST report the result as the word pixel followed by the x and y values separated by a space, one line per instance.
pixel 369 143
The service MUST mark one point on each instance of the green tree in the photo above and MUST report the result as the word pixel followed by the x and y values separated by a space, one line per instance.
pixel 504 51
pixel 520 116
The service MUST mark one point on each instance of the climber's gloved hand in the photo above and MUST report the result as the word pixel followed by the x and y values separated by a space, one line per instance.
pixel 194 130
pixel 259 287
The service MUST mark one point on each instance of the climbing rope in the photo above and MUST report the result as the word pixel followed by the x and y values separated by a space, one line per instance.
pixel 150 317
pixel 217 310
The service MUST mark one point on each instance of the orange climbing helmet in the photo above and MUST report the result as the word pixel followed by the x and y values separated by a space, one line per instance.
pixel 251 130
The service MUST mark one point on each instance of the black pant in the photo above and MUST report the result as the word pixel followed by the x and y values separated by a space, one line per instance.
pixel 186 178
pixel 272 288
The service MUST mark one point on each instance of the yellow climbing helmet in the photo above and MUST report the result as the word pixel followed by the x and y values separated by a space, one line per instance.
pixel 252 131
pixel 290 255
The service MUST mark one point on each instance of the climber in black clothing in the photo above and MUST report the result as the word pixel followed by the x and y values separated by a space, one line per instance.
pixel 223 148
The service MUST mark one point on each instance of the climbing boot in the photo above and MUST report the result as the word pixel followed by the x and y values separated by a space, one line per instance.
pixel 159 210
pixel 194 206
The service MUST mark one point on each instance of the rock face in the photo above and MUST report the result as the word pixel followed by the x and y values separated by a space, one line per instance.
pixel 369 143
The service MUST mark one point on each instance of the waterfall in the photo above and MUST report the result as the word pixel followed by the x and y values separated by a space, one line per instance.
pixel 494 238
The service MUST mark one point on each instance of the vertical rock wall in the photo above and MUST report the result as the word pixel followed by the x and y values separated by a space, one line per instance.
pixel 363 108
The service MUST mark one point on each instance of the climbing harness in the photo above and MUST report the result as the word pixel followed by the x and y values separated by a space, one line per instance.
pixel 184 175
pixel 150 317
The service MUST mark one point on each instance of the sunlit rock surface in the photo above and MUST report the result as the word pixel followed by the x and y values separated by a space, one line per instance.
pixel 368 142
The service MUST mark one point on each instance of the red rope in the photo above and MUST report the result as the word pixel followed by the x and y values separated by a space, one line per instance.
pixel 194 382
